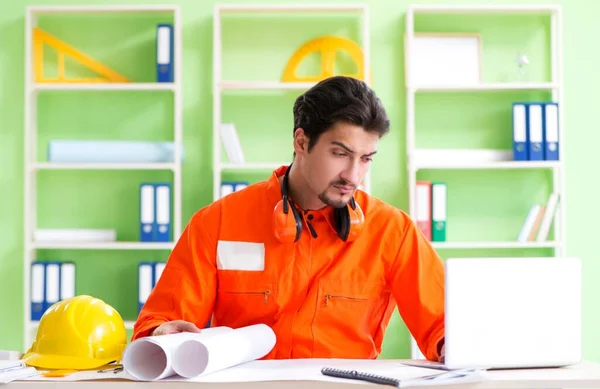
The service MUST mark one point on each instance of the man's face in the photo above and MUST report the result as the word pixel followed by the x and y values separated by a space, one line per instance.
pixel 338 162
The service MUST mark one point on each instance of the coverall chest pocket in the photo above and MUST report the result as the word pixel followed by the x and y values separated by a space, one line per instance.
pixel 245 298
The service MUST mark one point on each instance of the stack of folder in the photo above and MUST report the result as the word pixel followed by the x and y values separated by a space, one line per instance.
pixel 431 205
pixel 155 212
pixel 51 282
pixel 535 128
pixel 148 275
pixel 228 187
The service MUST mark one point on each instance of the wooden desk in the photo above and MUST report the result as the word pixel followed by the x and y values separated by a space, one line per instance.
pixel 584 375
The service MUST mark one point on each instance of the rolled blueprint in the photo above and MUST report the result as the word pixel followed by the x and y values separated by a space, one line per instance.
pixel 197 356
pixel 151 358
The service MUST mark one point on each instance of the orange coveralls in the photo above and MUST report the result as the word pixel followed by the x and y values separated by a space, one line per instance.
pixel 322 297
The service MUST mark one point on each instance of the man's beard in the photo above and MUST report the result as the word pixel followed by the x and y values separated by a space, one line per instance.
pixel 331 202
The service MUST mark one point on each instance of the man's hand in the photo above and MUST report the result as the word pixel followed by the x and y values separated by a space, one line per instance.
pixel 176 326
pixel 442 357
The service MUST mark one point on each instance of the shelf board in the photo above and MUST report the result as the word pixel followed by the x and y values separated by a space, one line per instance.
pixel 488 165
pixel 106 86
pixel 102 166
pixel 290 8
pixel 495 245
pixel 105 245
pixel 265 85
pixel 499 86
pixel 252 166
pixel 512 8
pixel 100 8
pixel 434 159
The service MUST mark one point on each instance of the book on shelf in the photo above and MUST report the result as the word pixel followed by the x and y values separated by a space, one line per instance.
pixel 231 142
pixel 539 220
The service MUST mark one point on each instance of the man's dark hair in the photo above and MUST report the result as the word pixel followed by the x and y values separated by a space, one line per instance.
pixel 339 99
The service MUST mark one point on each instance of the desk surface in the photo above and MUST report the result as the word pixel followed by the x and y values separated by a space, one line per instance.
pixel 584 375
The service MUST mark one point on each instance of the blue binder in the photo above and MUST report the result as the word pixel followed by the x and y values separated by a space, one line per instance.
pixel 38 290
pixel 535 131
pixel 551 126
pixel 147 212
pixel 52 284
pixel 164 52
pixel 162 217
pixel 241 185
pixel 519 131
pixel 145 282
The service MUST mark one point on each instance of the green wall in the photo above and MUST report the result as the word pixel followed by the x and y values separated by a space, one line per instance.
pixel 103 199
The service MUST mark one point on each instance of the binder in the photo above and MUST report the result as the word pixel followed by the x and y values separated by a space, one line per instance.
pixel 519 127
pixel 52 284
pixel 158 269
pixel 163 212
pixel 535 132
pixel 551 141
pixel 145 282
pixel 438 211
pixel 423 200
pixel 164 52
pixel 38 290
pixel 227 188
pixel 67 280
pixel 147 207
pixel 241 185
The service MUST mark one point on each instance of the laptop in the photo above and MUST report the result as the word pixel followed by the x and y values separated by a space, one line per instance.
pixel 510 313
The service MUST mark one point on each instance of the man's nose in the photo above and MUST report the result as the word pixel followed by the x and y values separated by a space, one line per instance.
pixel 352 173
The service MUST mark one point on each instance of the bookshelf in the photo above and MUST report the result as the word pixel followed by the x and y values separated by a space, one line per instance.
pixel 142 86
pixel 271 82
pixel 466 163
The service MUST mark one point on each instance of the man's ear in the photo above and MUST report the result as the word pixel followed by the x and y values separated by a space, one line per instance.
pixel 300 141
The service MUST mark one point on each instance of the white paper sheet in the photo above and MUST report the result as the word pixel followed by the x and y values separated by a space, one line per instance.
pixel 198 356
pixel 151 358
pixel 310 370
pixel 299 370
pixel 305 370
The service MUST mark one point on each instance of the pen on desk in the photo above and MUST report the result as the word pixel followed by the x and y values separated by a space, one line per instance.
pixel 114 370
pixel 355 375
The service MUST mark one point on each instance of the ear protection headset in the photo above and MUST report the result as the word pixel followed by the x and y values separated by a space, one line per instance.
pixel 287 222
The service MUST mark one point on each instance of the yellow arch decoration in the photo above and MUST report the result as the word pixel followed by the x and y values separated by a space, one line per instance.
pixel 327 46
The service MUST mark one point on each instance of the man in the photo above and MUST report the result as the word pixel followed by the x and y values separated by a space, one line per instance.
pixel 307 253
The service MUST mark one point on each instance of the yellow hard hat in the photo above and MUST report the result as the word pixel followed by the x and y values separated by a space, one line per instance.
pixel 78 333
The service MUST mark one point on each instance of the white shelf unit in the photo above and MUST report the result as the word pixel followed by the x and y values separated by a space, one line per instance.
pixel 32 166
pixel 420 159
pixel 221 86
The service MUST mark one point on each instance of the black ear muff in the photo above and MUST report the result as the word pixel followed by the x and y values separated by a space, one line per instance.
pixel 287 227
pixel 342 222
pixel 297 219
pixel 349 221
